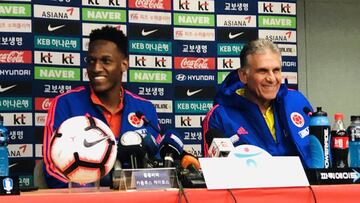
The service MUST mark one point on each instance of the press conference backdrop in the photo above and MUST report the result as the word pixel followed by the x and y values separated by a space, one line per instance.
pixel 180 51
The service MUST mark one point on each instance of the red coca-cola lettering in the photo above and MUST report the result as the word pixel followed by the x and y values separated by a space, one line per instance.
pixel 199 63
pixel 42 103
pixel 154 4
pixel 12 57
pixel 46 104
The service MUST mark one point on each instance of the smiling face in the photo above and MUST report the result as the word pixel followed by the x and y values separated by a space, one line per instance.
pixel 105 66
pixel 262 77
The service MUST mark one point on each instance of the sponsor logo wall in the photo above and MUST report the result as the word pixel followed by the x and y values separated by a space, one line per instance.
pixel 180 50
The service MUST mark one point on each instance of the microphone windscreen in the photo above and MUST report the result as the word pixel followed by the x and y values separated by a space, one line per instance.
pixel 189 159
pixel 139 114
pixel 307 111
pixel 172 143
pixel 211 134
pixel 130 144
pixel 150 145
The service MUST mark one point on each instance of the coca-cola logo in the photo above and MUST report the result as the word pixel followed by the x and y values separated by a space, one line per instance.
pixel 198 63
pixel 12 57
pixel 9 56
pixel 153 4
pixel 46 104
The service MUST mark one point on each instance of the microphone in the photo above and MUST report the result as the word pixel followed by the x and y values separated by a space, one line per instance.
pixel 307 111
pixel 171 147
pixel 116 175
pixel 150 144
pixel 131 150
pixel 141 116
pixel 191 175
pixel 189 161
pixel 219 146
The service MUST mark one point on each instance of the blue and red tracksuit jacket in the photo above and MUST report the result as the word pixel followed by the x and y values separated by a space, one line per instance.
pixel 232 114
pixel 77 102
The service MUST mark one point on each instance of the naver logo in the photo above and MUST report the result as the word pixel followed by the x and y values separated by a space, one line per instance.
pixel 221 75
pixel 51 73
pixel 104 15
pixel 15 10
pixel 150 76
pixel 194 19
pixel 277 22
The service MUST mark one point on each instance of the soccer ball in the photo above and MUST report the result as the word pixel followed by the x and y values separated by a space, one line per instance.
pixel 83 149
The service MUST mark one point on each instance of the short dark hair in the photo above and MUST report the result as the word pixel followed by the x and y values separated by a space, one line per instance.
pixel 257 46
pixel 111 34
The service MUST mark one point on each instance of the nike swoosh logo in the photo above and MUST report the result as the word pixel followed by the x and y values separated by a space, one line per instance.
pixel 90 144
pixel 3 89
pixel 146 33
pixel 231 36
pixel 14 164
pixel 54 28
pixel 191 93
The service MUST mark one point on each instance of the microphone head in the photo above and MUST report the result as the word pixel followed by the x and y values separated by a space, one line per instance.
pixel 139 114
pixel 171 143
pixel 150 144
pixel 189 159
pixel 211 134
pixel 307 111
pixel 131 143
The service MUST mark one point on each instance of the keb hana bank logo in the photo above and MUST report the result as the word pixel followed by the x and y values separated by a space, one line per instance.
pixel 151 4
pixel 14 56
pixel 194 63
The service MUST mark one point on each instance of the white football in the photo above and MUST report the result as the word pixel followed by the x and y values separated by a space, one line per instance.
pixel 83 149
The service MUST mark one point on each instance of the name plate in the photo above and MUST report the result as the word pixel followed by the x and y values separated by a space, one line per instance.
pixel 233 172
pixel 152 179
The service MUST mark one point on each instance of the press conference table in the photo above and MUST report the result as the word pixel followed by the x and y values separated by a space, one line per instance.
pixel 324 193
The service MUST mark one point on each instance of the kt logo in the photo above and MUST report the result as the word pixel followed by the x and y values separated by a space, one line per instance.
pixel 160 62
pixel 227 63
pixel 111 2
pixel 19 120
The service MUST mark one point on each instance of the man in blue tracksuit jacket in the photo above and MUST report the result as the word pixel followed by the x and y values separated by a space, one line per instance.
pixel 253 105
pixel 104 98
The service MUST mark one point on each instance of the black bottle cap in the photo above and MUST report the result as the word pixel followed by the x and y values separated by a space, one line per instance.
pixel 354 118
pixel 319 112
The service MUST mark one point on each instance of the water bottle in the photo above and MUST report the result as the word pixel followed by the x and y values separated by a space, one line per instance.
pixel 339 142
pixel 4 139
pixel 354 143
pixel 319 129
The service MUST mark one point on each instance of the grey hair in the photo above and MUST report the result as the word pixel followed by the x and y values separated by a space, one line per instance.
pixel 257 46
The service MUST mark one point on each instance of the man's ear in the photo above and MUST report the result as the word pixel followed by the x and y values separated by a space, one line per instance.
pixel 243 75
pixel 124 65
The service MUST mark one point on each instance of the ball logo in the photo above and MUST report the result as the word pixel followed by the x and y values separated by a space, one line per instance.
pixel 135 121
pixel 297 119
